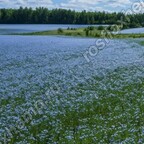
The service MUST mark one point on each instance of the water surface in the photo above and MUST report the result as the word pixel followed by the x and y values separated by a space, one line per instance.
pixel 133 31
pixel 24 28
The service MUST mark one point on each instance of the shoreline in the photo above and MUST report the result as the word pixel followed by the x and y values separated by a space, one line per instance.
pixel 80 32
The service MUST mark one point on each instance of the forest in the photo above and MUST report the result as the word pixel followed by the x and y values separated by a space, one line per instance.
pixel 43 15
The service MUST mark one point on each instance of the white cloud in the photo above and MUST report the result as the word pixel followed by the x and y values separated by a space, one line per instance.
pixel 81 7
pixel 96 5
pixel 89 5
pixel 90 2
pixel 25 3
pixel 120 3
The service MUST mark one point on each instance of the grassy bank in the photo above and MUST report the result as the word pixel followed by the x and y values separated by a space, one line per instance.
pixel 64 32
pixel 99 32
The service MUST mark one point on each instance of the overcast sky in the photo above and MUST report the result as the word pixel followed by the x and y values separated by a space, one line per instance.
pixel 90 5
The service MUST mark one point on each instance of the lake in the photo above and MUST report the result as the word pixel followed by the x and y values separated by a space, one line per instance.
pixel 53 70
pixel 133 31
pixel 24 28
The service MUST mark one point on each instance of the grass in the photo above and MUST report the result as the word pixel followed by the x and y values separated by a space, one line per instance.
pixel 113 112
pixel 76 32
pixel 80 32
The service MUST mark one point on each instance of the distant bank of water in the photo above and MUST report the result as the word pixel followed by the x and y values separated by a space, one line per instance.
pixel 24 28
pixel 133 31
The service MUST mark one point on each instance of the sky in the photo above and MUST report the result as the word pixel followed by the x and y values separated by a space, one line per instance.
pixel 78 5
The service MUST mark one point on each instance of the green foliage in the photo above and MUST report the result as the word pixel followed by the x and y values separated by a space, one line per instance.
pixel 78 33
pixel 87 31
pixel 100 28
pixel 71 28
pixel 60 30
pixel 109 28
pixel 97 35
pixel 114 28
pixel 91 28
pixel 43 15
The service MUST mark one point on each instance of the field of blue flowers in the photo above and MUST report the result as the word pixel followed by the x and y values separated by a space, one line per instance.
pixel 49 93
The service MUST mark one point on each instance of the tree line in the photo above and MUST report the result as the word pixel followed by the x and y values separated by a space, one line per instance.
pixel 43 15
